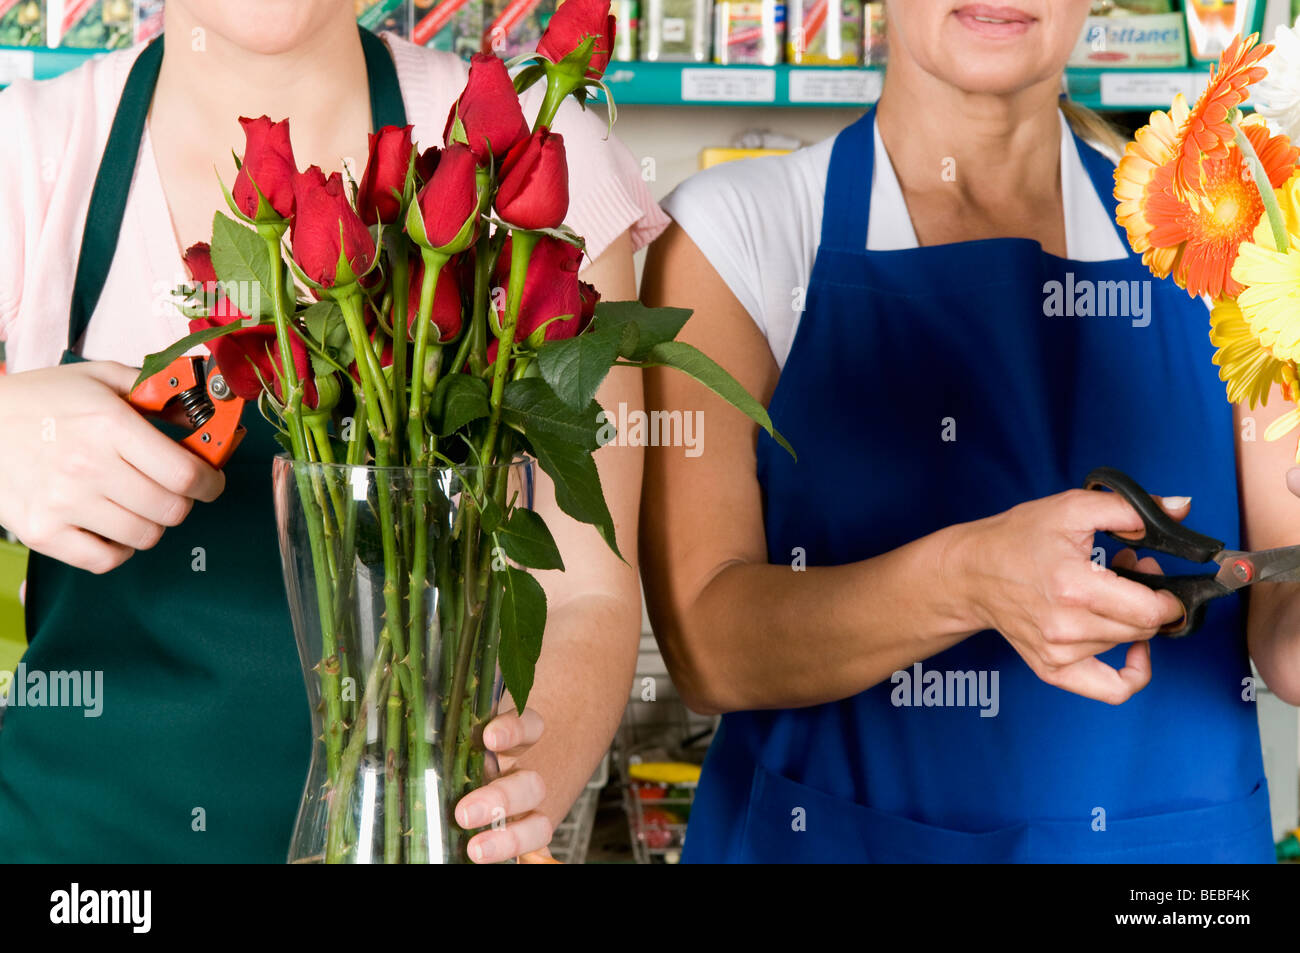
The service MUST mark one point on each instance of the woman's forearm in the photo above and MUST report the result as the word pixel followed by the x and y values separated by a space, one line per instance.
pixel 581 690
pixel 771 636
pixel 1273 634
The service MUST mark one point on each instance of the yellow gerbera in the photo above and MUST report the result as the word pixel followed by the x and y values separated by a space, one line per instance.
pixel 1247 367
pixel 1270 303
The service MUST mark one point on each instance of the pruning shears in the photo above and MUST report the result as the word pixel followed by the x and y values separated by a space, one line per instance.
pixel 196 388
pixel 1163 534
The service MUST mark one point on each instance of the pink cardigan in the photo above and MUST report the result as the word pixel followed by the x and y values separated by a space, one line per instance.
pixel 55 133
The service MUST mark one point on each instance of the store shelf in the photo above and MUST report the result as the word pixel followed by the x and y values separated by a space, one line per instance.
pixel 706 84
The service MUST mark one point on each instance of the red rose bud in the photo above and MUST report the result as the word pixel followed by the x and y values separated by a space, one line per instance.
pixel 426 162
pixel 551 289
pixel 590 298
pixel 488 109
pixel 446 316
pixel 331 244
pixel 571 24
pixel 268 166
pixel 444 215
pixel 386 168
pixel 534 189
pixel 198 262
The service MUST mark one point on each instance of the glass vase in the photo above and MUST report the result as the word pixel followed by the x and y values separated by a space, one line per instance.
pixel 387 572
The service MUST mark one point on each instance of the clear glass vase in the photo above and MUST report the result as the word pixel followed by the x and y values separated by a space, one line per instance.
pixel 387 572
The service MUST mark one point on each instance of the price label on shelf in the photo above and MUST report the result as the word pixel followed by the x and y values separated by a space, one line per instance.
pixel 848 86
pixel 16 64
pixel 1141 89
pixel 728 84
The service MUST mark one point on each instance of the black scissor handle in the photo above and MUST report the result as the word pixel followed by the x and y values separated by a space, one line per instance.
pixel 1193 592
pixel 1163 533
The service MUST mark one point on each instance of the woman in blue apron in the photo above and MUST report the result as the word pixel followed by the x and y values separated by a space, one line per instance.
pixel 912 651
pixel 199 748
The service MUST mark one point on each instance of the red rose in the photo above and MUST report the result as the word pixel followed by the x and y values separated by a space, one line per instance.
pixel 590 298
pixel 488 109
pixel 244 355
pixel 571 24
pixel 390 158
pixel 447 203
pixel 426 162
pixel 446 315
pixel 551 290
pixel 267 165
pixel 331 244
pixel 534 189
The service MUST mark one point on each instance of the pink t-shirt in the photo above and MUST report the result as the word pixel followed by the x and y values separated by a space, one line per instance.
pixel 55 132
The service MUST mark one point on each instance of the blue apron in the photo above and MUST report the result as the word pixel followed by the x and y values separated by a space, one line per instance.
pixel 932 386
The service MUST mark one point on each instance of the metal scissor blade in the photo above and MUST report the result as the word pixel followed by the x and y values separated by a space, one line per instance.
pixel 1267 565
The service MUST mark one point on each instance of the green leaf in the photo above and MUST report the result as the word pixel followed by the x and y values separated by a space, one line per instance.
pixel 697 364
pixel 575 367
pixel 642 327
pixel 490 515
pixel 577 483
pixel 458 400
pixel 324 322
pixel 527 540
pixel 153 363
pixel 239 258
pixel 530 406
pixel 523 621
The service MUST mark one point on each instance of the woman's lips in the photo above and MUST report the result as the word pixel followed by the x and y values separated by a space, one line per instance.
pixel 993 21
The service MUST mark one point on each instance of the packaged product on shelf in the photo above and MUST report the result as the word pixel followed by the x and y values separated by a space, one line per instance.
pixel 1212 24
pixel 97 24
pixel 453 25
pixel 384 16
pixel 22 22
pixel 676 30
pixel 627 13
pixel 1132 33
pixel 824 32
pixel 148 19
pixel 875 38
pixel 748 32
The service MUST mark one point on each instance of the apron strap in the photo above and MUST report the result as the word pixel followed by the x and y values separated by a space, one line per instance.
pixel 1101 171
pixel 117 168
pixel 112 186
pixel 848 186
pixel 386 106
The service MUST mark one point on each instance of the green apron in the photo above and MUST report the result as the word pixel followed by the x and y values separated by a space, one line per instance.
pixel 200 750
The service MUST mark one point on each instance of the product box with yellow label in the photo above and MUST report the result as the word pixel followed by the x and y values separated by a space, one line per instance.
pixel 1132 41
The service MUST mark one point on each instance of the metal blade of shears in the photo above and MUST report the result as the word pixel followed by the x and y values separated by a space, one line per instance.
pixel 1238 569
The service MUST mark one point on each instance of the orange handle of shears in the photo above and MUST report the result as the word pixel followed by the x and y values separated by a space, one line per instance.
pixel 218 433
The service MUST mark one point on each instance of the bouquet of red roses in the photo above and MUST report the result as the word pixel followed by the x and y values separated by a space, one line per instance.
pixel 419 341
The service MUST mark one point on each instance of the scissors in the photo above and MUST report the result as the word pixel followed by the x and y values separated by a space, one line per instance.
pixel 1164 534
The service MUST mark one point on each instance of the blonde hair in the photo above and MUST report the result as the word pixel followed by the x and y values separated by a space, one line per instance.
pixel 1095 129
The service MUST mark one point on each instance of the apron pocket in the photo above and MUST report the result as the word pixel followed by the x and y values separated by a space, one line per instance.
pixel 791 823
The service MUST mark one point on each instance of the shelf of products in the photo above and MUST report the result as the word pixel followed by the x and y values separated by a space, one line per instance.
pixel 707 84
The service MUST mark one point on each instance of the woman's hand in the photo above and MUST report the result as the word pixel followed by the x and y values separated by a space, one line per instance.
pixel 1030 575
pixel 509 803
pixel 83 477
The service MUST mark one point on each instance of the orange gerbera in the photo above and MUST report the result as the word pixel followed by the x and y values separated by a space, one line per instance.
pixel 1205 228
pixel 1185 193
pixel 1208 131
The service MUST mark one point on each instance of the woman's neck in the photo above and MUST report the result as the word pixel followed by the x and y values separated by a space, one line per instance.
pixel 992 144
pixel 318 84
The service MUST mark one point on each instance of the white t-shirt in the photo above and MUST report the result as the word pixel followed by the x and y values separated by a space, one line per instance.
pixel 758 222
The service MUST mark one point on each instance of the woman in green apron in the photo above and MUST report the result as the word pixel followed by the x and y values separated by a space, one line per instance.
pixel 192 740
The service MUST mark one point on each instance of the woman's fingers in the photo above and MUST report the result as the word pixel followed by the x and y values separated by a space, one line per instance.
pixel 517 795
pixel 1093 678
pixel 510 796
pixel 118 525
pixel 167 462
pixel 84 550
pixel 509 733
pixel 132 490
pixel 518 837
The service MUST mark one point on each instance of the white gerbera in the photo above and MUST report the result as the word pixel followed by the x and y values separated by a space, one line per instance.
pixel 1277 96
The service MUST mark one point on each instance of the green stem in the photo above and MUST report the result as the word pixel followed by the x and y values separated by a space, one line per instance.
pixel 392 776
pixel 521 250
pixel 401 299
pixel 1274 211
pixel 336 847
